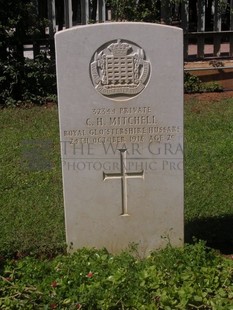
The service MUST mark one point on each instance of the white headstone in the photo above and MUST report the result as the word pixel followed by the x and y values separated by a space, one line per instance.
pixel 120 91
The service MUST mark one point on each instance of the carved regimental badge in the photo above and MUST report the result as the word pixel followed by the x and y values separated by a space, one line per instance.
pixel 120 70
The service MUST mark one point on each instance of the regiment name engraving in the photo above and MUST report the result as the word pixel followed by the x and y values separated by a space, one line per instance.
pixel 122 125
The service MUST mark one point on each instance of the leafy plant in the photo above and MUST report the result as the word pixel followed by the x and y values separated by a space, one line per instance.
pixel 192 277
pixel 211 87
pixel 132 10
pixel 192 84
pixel 32 80
pixel 40 79
pixel 19 22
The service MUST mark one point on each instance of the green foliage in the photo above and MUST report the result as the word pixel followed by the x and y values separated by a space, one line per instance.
pixel 21 79
pixel 189 278
pixel 139 10
pixel 192 84
pixel 30 80
pixel 40 79
pixel 223 5
pixel 19 21
pixel 132 10
pixel 10 82
pixel 211 87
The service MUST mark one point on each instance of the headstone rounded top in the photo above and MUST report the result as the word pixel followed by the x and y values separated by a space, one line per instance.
pixel 120 69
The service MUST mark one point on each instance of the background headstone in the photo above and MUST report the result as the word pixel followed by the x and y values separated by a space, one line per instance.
pixel 120 90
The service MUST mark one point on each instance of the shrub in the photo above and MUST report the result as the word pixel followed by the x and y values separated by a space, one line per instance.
pixel 40 79
pixel 31 80
pixel 19 23
pixel 132 10
pixel 192 84
pixel 188 278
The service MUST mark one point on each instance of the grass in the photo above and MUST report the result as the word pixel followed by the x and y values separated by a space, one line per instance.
pixel 209 147
pixel 31 213
pixel 209 172
pixel 30 190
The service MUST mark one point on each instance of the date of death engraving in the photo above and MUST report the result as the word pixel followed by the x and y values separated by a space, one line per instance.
pixel 121 125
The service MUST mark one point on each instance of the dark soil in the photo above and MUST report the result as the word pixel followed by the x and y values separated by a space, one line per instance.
pixel 209 96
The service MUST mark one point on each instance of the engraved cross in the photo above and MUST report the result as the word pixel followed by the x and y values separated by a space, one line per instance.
pixel 123 176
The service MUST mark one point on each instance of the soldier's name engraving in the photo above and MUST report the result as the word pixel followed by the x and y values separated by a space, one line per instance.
pixel 122 125
pixel 122 120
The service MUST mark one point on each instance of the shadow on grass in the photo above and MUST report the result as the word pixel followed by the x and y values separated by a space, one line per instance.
pixel 216 231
